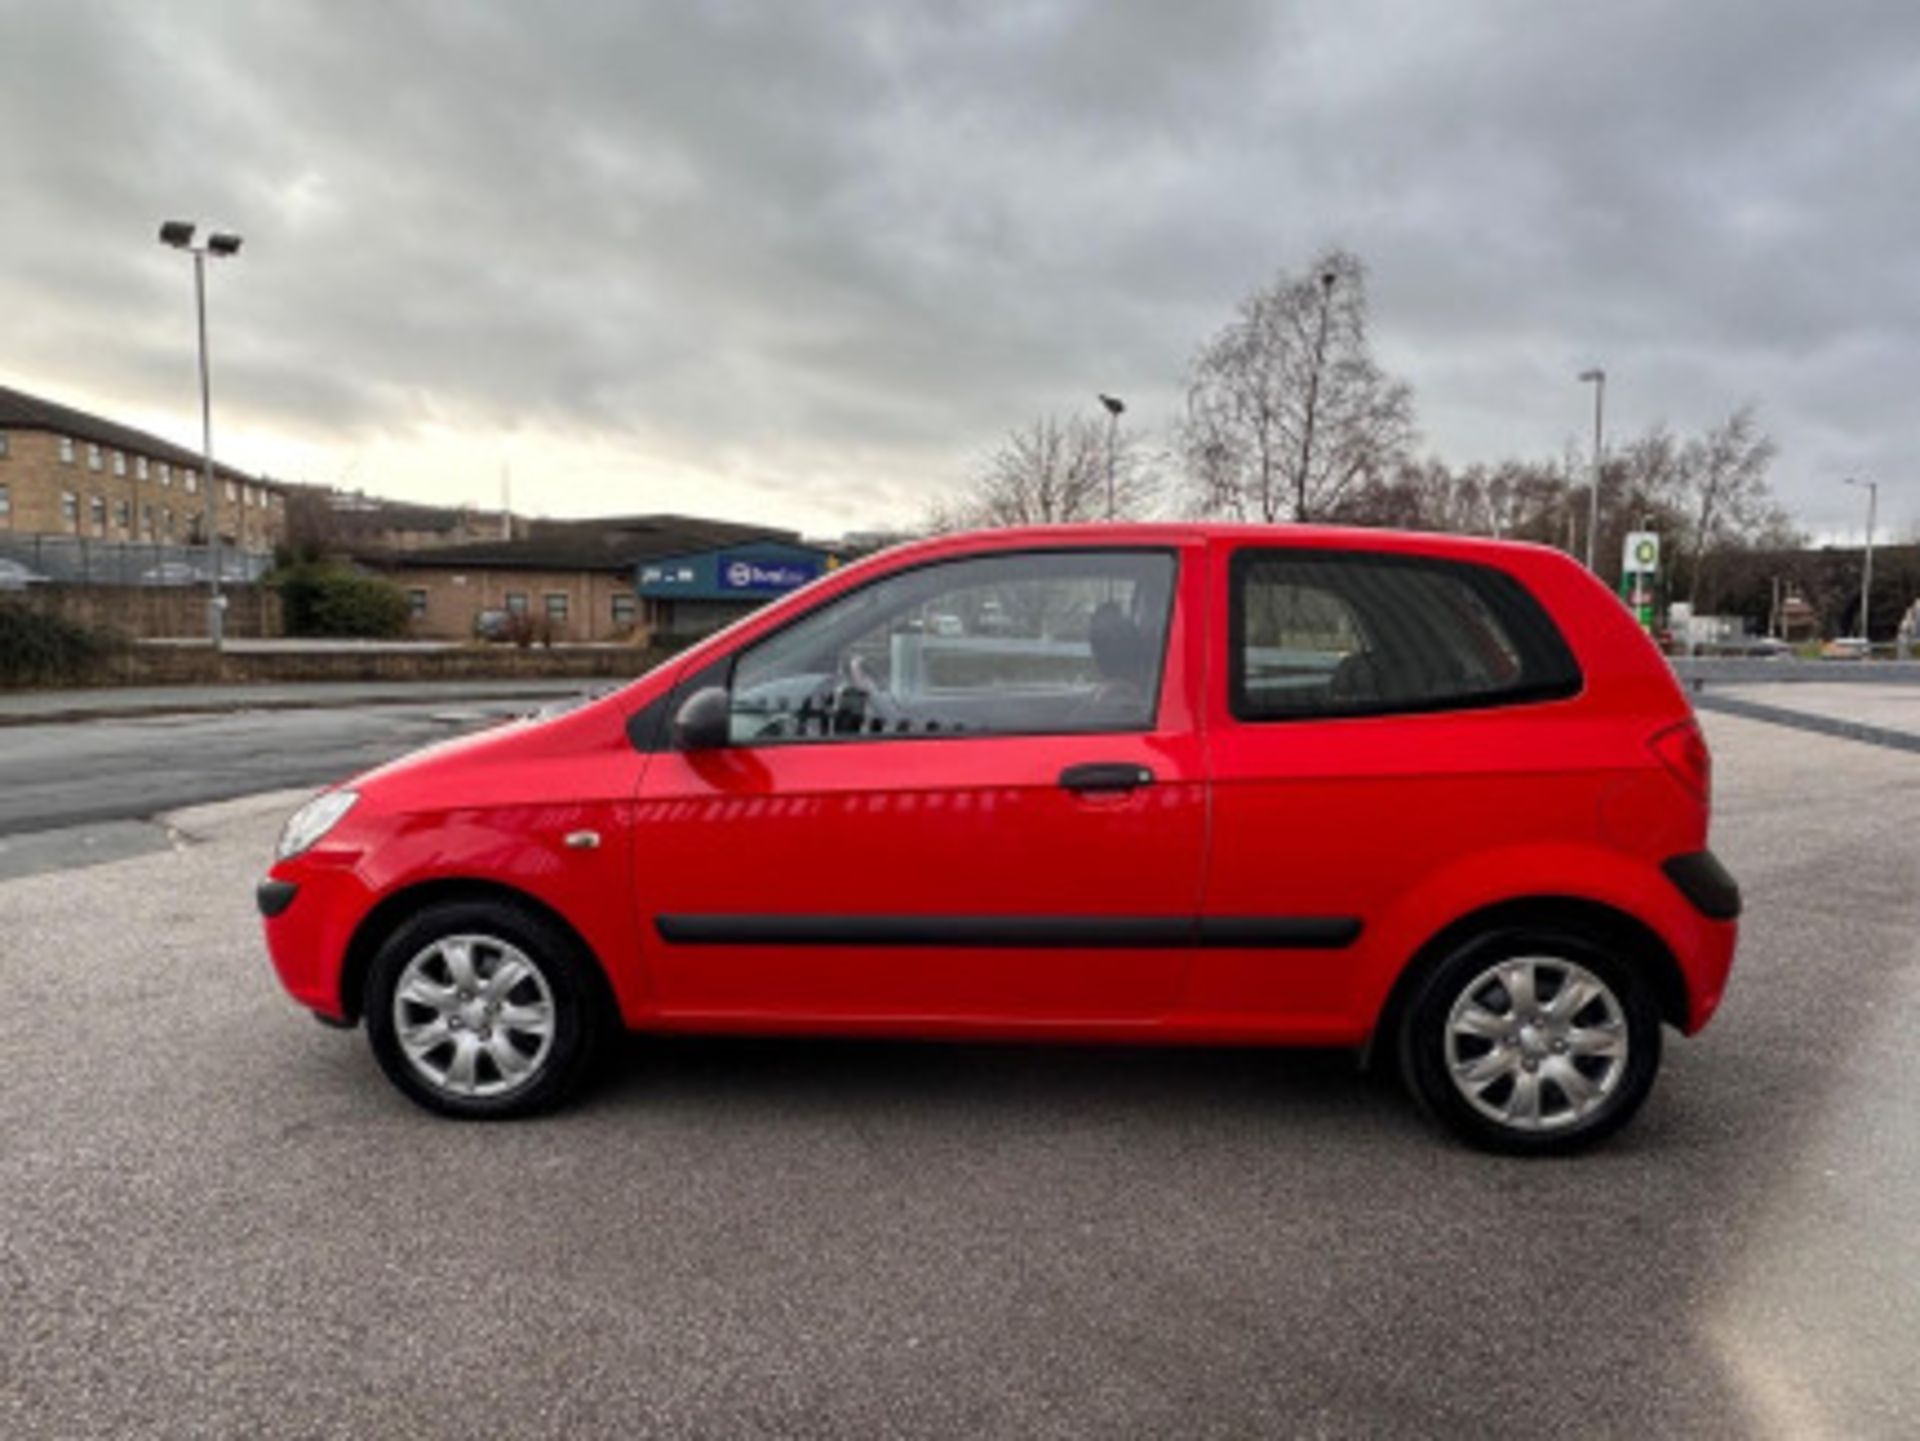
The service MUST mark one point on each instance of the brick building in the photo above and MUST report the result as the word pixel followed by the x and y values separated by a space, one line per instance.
pixel 64 472
pixel 576 580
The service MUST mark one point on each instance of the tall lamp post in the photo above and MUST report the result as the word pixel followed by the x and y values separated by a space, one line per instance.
pixel 220 244
pixel 1872 488
pixel 1599 379
pixel 1115 409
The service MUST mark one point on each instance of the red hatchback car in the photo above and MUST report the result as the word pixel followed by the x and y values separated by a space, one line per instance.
pixel 1432 797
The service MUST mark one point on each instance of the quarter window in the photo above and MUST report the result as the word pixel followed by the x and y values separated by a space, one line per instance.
pixel 1036 643
pixel 1320 633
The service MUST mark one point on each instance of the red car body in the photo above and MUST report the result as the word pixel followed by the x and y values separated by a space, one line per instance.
pixel 1388 832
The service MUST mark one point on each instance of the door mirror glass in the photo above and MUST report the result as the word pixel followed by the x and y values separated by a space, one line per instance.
pixel 701 723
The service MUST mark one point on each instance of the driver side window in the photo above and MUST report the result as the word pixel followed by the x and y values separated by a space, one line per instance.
pixel 1036 643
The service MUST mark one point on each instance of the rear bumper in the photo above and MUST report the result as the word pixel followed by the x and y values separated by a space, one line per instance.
pixel 1713 907
pixel 1706 884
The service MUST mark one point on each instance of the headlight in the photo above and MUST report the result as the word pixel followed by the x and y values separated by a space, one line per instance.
pixel 313 820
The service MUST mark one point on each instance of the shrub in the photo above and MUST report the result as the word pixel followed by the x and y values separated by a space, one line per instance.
pixel 525 630
pixel 333 600
pixel 38 649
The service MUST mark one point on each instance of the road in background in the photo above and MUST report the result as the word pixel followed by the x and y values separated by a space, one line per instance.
pixel 67 775
pixel 220 1220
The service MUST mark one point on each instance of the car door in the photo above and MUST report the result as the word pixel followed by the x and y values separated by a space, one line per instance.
pixel 967 790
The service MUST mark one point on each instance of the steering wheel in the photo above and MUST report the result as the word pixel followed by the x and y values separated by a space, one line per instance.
pixel 874 700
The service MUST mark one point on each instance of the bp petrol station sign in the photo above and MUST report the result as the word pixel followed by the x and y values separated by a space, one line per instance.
pixel 1639 565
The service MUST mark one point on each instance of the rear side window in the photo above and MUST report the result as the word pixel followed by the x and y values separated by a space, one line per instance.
pixel 1346 633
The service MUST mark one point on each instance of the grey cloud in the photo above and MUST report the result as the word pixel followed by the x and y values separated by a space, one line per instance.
pixel 804 240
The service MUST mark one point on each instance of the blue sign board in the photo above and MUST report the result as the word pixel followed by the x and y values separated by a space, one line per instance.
pixel 754 571
pixel 765 575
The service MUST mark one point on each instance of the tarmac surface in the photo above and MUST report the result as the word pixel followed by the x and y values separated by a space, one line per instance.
pixel 94 790
pixel 217 1219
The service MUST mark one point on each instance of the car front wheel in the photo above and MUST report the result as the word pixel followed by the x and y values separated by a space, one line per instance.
pixel 1532 1041
pixel 482 1010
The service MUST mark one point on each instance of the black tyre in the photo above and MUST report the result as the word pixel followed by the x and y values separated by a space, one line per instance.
pixel 1531 1041
pixel 483 1010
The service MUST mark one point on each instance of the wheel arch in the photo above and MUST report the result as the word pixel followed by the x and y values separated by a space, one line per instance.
pixel 1632 937
pixel 393 910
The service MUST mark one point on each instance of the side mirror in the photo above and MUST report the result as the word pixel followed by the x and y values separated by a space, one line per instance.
pixel 704 720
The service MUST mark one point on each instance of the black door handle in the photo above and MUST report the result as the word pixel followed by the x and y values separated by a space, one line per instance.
pixel 1105 776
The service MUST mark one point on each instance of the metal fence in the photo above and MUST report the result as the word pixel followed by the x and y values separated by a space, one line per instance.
pixel 75 560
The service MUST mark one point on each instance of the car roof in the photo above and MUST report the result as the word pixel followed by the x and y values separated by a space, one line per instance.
pixel 1227 532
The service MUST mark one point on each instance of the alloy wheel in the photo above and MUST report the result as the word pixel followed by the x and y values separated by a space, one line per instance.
pixel 1536 1043
pixel 474 1016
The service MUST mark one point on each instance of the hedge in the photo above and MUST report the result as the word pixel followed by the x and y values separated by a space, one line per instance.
pixel 37 649
pixel 332 600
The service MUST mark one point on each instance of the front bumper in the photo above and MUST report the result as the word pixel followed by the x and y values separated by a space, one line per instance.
pixel 309 913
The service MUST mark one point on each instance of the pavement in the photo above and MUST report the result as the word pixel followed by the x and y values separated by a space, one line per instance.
pixel 217 1219
pixel 59 707
pixel 1884 707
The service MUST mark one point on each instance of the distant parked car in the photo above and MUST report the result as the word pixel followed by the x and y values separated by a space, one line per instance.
pixel 15 576
pixel 1847 647
pixel 1431 796
pixel 1765 647
pixel 492 625
pixel 175 572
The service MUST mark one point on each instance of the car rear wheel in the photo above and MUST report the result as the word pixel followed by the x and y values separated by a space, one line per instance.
pixel 1532 1041
pixel 483 1010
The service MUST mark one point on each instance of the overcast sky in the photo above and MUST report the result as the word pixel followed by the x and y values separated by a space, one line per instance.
pixel 804 263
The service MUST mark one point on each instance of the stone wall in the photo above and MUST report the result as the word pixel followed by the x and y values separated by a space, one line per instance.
pixel 193 665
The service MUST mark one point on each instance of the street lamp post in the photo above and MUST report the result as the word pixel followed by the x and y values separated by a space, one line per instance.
pixel 1115 409
pixel 220 244
pixel 1599 379
pixel 1872 488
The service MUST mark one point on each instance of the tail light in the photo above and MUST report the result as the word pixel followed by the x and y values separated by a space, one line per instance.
pixel 1683 751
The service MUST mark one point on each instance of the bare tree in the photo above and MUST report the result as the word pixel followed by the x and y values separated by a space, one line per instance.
pixel 1051 472
pixel 1286 409
pixel 1515 499
pixel 1723 493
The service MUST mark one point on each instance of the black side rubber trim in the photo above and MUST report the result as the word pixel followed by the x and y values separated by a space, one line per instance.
pixel 1279 933
pixel 273 897
pixel 1705 882
pixel 1036 932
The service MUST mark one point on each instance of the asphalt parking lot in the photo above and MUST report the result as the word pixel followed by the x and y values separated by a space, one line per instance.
pixel 217 1219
